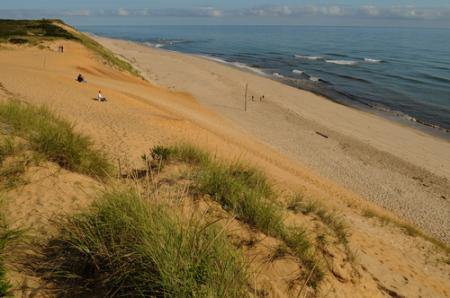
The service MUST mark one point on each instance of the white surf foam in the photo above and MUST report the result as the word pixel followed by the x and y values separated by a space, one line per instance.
pixel 214 59
pixel 154 45
pixel 341 62
pixel 372 60
pixel 298 71
pixel 308 57
pixel 245 66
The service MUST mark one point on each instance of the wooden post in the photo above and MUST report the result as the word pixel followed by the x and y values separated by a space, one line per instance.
pixel 245 97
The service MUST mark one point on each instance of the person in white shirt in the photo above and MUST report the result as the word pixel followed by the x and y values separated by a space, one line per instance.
pixel 100 96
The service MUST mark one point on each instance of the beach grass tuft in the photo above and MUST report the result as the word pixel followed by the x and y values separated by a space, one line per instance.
pixel 244 190
pixel 408 229
pixel 339 227
pixel 11 174
pixel 8 236
pixel 52 137
pixel 126 244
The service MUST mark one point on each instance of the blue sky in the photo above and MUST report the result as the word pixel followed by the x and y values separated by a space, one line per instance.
pixel 402 13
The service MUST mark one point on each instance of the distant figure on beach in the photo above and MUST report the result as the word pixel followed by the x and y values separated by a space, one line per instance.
pixel 81 79
pixel 61 49
pixel 100 96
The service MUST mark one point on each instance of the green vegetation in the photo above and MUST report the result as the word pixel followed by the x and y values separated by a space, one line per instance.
pixel 110 58
pixel 407 228
pixel 7 238
pixel 244 191
pixel 131 242
pixel 36 129
pixel 34 32
pixel 299 204
pixel 24 31
pixel 130 245
pixel 135 242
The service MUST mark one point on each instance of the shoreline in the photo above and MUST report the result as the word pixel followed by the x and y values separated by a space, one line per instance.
pixel 392 165
pixel 423 126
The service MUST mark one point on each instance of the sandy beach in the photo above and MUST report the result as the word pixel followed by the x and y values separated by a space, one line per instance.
pixel 394 166
pixel 347 159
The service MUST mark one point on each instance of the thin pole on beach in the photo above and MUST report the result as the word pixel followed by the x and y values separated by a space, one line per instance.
pixel 245 97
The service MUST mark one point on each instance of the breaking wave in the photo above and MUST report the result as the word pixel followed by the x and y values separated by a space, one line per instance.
pixel 342 62
pixel 308 57
pixel 373 60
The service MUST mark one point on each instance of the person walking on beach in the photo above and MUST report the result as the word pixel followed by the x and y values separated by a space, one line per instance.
pixel 100 96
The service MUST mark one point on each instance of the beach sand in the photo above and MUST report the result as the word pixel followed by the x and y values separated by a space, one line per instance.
pixel 347 159
pixel 394 166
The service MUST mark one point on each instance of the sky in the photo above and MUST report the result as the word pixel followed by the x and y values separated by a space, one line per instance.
pixel 380 13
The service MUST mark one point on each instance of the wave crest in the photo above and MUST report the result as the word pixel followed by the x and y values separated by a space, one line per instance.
pixel 342 62
pixel 373 60
pixel 308 57
pixel 248 67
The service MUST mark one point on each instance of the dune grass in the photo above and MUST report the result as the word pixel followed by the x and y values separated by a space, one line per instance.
pixel 30 31
pixel 5 285
pixel 128 245
pixel 50 136
pixel 298 203
pixel 408 229
pixel 8 236
pixel 109 57
pixel 245 191
pixel 35 32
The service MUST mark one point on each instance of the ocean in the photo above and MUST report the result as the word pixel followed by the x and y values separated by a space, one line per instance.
pixel 400 73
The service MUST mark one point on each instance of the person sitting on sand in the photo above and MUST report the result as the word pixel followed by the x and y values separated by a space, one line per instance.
pixel 100 96
pixel 81 79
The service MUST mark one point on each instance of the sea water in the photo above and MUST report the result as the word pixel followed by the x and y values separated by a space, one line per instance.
pixel 401 72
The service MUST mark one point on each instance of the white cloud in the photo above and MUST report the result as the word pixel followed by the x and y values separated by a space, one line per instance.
pixel 321 10
pixel 123 12
pixel 372 12
pixel 79 13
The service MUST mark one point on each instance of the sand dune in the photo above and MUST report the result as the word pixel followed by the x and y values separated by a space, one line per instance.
pixel 343 157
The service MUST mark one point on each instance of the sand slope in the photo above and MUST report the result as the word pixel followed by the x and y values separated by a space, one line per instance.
pixel 365 159
pixel 394 166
